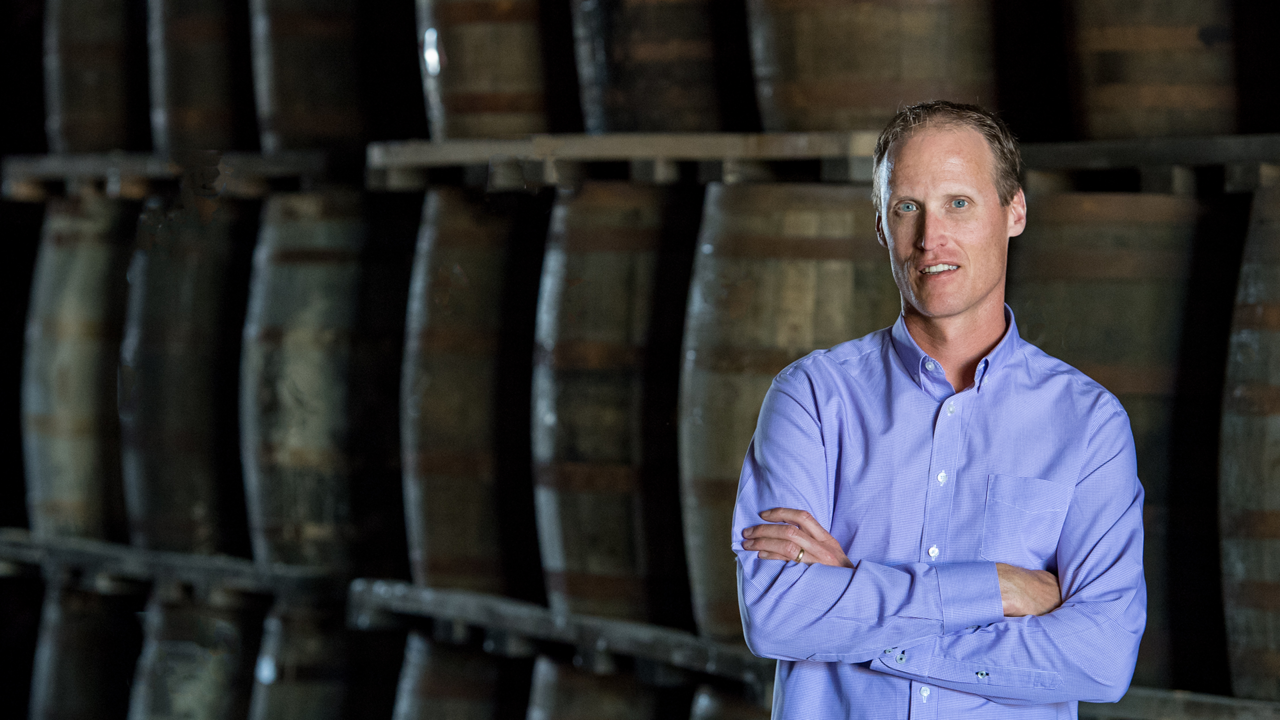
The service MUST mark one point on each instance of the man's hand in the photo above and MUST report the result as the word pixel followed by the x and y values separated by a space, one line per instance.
pixel 784 542
pixel 1028 592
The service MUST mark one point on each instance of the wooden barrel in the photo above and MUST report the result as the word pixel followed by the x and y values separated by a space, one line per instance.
pixel 562 693
pixel 87 651
pixel 167 364
pixel 85 74
pixel 295 365
pixel 781 270
pixel 197 659
pixel 1099 280
pixel 69 419
pixel 839 65
pixel 712 704
pixel 189 43
pixel 304 74
pixel 447 394
pixel 593 322
pixel 301 672
pixel 443 681
pixel 1248 489
pixel 646 66
pixel 481 64
pixel 1156 67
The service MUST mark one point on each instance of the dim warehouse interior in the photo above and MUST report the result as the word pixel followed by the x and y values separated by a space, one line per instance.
pixel 397 358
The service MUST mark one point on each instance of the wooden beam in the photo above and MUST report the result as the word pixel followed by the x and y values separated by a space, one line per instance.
pixel 591 635
pixel 123 561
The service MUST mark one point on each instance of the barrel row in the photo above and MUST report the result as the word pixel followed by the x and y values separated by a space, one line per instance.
pixel 1151 68
pixel 777 270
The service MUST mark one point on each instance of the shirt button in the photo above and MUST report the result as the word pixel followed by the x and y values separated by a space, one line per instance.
pixel 933 551
pixel 951 409
pixel 942 478
pixel 930 366
pixel 924 691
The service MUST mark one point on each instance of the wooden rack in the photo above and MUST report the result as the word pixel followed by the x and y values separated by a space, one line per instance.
pixel 511 624
pixel 32 178
pixel 543 160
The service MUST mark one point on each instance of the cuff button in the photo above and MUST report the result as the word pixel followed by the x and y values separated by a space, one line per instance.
pixel 982 674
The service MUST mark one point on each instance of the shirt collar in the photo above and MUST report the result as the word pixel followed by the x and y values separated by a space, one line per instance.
pixel 917 362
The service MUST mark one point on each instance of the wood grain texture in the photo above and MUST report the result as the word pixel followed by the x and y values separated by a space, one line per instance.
pixel 443 681
pixel 1155 67
pixel 304 74
pixel 294 379
pixel 74 325
pixel 447 390
pixel 196 660
pixel 752 312
pixel 562 693
pixel 1099 281
pixel 594 307
pixel 85 655
pixel 835 65
pixel 85 75
pixel 189 44
pixel 481 64
pixel 646 66
pixel 177 289
pixel 301 671
pixel 1248 486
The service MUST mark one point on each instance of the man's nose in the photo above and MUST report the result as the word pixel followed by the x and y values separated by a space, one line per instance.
pixel 932 232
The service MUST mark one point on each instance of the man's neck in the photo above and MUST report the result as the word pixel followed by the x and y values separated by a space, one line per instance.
pixel 960 342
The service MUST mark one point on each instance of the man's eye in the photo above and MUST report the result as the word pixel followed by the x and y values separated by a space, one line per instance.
pixel 959 203
pixel 907 207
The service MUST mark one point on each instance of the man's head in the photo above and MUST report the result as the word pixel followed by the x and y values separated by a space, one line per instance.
pixel 1007 165
pixel 948 200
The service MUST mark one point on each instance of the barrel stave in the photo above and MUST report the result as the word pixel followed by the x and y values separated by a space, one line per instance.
pixel 167 404
pixel 1248 494
pixel 196 658
pixel 86 654
pixel 482 69
pixel 1156 68
pixel 593 325
pixel 294 379
pixel 301 671
pixel 832 65
pixel 448 393
pixel 562 693
pixel 445 681
pixel 304 74
pixel 74 325
pixel 190 56
pixel 85 75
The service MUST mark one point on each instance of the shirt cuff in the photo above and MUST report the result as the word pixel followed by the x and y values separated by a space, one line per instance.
pixel 970 594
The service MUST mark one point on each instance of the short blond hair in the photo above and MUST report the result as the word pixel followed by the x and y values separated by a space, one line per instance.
pixel 943 113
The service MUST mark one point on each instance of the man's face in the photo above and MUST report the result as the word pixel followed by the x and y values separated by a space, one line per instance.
pixel 947 233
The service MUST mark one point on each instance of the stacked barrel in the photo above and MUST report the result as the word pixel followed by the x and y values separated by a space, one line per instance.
pixel 407 406
pixel 1249 495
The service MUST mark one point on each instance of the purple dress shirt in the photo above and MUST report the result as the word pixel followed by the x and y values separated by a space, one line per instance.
pixel 926 489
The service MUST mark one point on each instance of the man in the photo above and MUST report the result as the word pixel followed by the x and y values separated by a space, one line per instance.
pixel 953 519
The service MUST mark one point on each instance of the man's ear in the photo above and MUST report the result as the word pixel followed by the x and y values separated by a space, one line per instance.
pixel 1017 213
pixel 884 242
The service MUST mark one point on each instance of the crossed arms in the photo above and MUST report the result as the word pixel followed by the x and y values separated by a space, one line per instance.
pixel 1011 635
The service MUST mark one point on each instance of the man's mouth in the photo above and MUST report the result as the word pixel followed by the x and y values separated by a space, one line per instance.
pixel 935 269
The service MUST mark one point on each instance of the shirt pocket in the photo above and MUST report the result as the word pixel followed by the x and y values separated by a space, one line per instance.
pixel 1022 520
